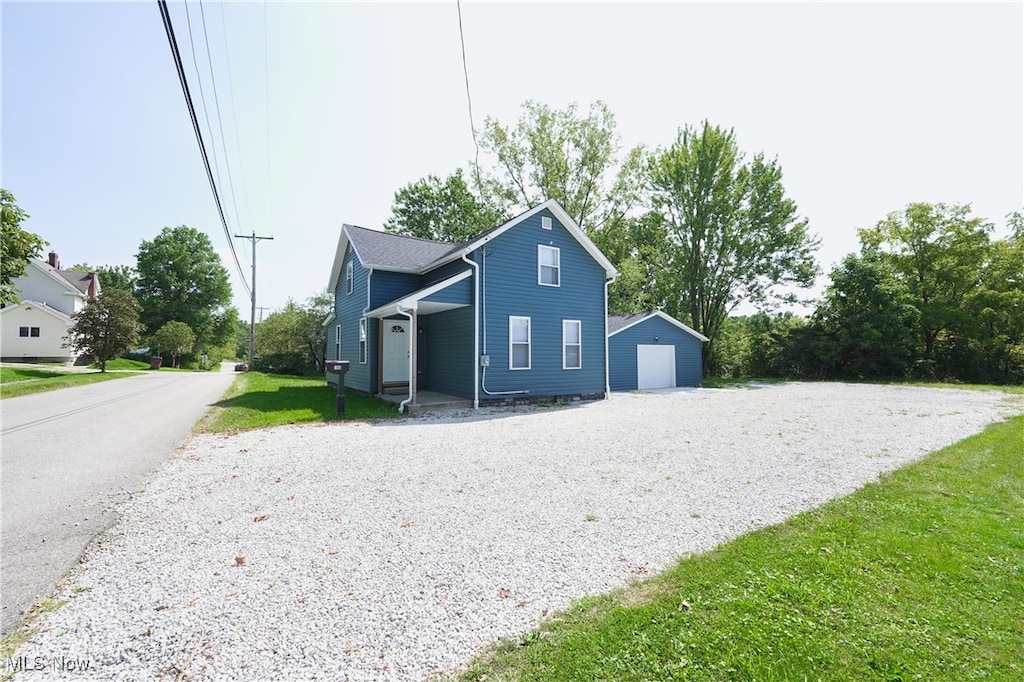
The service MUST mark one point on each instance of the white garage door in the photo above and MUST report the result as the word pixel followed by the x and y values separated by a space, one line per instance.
pixel 655 366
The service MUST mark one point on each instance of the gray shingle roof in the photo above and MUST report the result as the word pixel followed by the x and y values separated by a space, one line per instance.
pixel 387 250
pixel 79 279
pixel 617 322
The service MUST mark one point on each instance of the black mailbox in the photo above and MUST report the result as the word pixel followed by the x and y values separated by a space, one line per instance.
pixel 339 367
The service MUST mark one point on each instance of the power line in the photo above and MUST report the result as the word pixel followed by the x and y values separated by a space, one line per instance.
pixel 266 91
pixel 176 54
pixel 216 102
pixel 469 98
pixel 234 110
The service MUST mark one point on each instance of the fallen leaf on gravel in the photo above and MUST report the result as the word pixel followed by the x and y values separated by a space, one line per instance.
pixel 261 517
pixel 291 497
pixel 332 552
pixel 406 524
pixel 544 613
pixel 639 570
pixel 504 593
pixel 521 604
pixel 279 479
pixel 239 561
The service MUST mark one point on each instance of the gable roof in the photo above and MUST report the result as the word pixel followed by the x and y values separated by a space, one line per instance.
pixel 387 251
pixel 618 323
pixel 27 305
pixel 76 281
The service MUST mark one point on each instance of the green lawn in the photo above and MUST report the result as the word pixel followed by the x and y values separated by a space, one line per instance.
pixel 256 400
pixel 919 576
pixel 17 381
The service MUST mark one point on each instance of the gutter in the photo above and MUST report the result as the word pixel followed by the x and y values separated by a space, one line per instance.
pixel 476 329
pixel 607 375
pixel 412 377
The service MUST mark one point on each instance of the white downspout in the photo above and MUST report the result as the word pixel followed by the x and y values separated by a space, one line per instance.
pixel 607 376
pixel 476 329
pixel 412 377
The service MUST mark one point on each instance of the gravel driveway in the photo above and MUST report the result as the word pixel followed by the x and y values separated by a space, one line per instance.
pixel 398 549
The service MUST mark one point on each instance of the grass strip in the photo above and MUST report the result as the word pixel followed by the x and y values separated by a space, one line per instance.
pixel 256 400
pixel 26 385
pixel 919 576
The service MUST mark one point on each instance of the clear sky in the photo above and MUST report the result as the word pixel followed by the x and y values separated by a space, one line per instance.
pixel 867 106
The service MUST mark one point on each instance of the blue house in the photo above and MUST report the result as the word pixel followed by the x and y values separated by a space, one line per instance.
pixel 653 350
pixel 515 314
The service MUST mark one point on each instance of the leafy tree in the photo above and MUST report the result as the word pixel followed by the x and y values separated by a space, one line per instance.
pixel 106 327
pixel 937 251
pixel 174 338
pixel 180 277
pixel 298 330
pixel 121 277
pixel 869 319
pixel 442 210
pixel 563 155
pixel 733 235
pixel 17 246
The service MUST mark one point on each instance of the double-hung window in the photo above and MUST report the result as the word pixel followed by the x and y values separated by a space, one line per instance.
pixel 348 278
pixel 28 332
pixel 519 342
pixel 548 266
pixel 362 341
pixel 572 348
pixel 337 342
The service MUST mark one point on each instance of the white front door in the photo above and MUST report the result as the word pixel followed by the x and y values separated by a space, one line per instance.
pixel 655 366
pixel 396 351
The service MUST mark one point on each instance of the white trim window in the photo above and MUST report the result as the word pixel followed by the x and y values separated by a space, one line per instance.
pixel 572 344
pixel 28 332
pixel 349 277
pixel 337 342
pixel 549 271
pixel 362 341
pixel 518 342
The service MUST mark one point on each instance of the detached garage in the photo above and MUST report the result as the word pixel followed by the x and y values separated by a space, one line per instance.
pixel 653 350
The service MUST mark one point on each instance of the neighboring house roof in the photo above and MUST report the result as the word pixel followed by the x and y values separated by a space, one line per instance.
pixel 27 305
pixel 618 323
pixel 386 251
pixel 77 281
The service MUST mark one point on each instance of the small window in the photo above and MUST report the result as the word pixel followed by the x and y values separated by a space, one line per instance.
pixel 545 222
pixel 572 356
pixel 34 332
pixel 519 342
pixel 348 278
pixel 362 341
pixel 548 259
pixel 23 332
pixel 337 342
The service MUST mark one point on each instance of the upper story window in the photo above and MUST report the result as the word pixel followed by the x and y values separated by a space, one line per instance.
pixel 572 355
pixel 518 342
pixel 28 332
pixel 545 222
pixel 348 278
pixel 548 266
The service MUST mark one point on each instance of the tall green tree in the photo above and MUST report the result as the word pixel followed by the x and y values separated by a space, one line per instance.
pixel 297 329
pixel 937 251
pixel 121 277
pixel 174 338
pixel 441 210
pixel 733 234
pixel 180 277
pixel 106 327
pixel 559 154
pixel 17 246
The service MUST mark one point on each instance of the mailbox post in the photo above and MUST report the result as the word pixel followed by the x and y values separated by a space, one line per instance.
pixel 339 367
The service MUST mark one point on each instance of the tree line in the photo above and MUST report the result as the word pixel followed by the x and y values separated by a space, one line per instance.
pixel 697 228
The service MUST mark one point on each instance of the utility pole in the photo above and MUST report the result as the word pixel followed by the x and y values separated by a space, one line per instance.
pixel 252 317
pixel 261 308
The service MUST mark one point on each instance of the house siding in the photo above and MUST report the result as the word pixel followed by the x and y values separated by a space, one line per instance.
pixel 460 292
pixel 348 308
pixel 510 288
pixel 622 353
pixel 388 286
pixel 48 346
pixel 445 352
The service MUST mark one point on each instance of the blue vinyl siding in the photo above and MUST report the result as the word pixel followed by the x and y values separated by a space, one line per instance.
pixel 388 286
pixel 445 352
pixel 511 288
pixel 460 292
pixel 622 353
pixel 348 308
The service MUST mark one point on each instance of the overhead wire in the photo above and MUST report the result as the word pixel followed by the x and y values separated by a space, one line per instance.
pixel 234 110
pixel 266 91
pixel 469 97
pixel 179 66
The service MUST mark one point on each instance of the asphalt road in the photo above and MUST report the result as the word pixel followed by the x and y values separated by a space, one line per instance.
pixel 69 456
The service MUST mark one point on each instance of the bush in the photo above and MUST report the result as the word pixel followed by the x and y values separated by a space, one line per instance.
pixel 296 364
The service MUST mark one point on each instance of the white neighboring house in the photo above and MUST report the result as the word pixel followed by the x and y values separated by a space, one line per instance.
pixel 33 330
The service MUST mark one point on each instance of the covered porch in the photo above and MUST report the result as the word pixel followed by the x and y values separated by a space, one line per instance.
pixel 426 347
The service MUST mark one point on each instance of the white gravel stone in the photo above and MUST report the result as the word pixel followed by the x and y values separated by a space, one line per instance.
pixel 396 550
